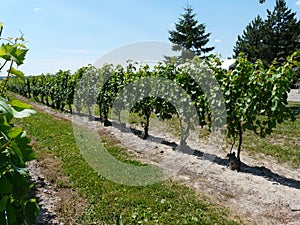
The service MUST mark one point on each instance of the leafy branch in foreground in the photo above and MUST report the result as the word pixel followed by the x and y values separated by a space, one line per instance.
pixel 15 205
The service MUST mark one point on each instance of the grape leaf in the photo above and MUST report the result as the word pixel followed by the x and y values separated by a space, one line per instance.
pixel 3 202
pixel 18 105
pixel 12 52
pixel 5 185
pixel 16 72
pixel 6 110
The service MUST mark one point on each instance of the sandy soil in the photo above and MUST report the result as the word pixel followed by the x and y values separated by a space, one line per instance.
pixel 264 192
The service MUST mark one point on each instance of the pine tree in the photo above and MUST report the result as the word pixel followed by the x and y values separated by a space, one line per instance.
pixel 189 36
pixel 274 38
pixel 283 39
pixel 251 42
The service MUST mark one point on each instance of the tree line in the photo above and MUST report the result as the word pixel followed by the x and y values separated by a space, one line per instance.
pixel 271 39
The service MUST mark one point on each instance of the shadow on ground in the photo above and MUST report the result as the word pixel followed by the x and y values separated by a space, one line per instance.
pixel 254 170
pixel 44 217
pixel 260 171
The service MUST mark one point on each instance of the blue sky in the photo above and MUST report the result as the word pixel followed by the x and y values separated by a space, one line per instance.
pixel 68 34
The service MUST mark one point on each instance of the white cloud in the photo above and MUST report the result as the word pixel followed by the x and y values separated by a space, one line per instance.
pixel 218 40
pixel 298 2
pixel 74 51
pixel 38 9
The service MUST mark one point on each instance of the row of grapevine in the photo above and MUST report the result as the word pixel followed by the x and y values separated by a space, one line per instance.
pixel 90 86
pixel 55 91
pixel 251 96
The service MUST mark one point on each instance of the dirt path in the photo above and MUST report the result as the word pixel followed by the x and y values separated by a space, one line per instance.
pixel 264 192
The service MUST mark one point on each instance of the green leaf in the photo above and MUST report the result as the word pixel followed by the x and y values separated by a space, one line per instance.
pixel 5 111
pixel 5 185
pixel 31 211
pixel 23 142
pixel 21 45
pixel 296 63
pixel 195 219
pixel 120 221
pixel 16 72
pixel 22 171
pixel 18 105
pixel 19 153
pixel 11 213
pixel 13 53
pixel 4 51
pixel 3 202
pixel 14 132
pixel 19 56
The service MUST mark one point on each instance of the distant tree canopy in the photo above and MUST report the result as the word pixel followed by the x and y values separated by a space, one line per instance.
pixel 276 37
pixel 189 36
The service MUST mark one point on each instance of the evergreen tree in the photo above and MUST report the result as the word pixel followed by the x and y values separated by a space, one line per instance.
pixel 189 36
pixel 274 38
pixel 251 42
pixel 282 32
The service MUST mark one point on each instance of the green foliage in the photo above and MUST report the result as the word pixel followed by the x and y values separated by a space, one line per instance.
pixel 283 39
pixel 88 88
pixel 250 43
pixel 255 95
pixel 276 37
pixel 12 51
pixel 282 145
pixel 189 36
pixel 15 206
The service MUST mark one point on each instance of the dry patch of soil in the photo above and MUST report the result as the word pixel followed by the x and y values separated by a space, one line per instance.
pixel 59 203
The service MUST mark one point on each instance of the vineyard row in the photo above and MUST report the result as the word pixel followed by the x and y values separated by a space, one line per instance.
pixel 248 97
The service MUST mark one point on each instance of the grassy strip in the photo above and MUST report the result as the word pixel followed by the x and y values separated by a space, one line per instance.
pixel 283 144
pixel 162 203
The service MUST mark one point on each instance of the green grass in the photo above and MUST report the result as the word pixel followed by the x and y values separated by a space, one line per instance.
pixel 161 203
pixel 283 144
